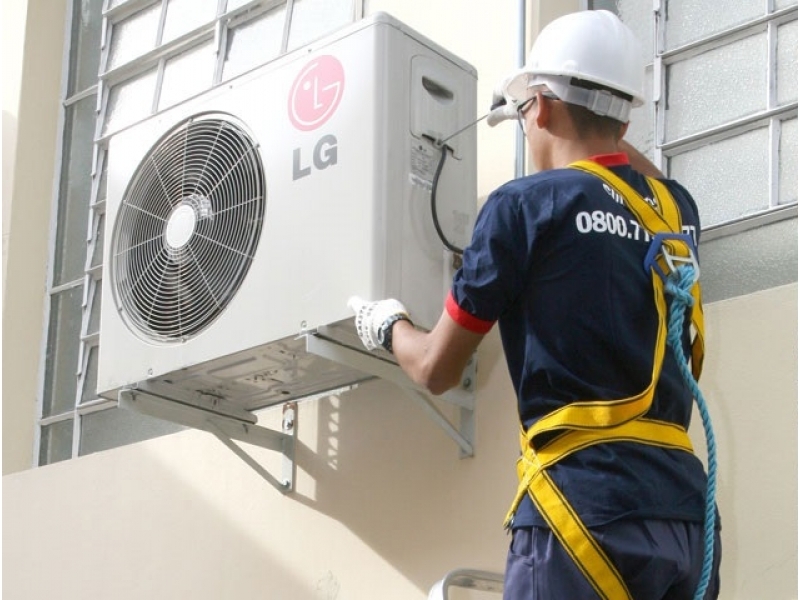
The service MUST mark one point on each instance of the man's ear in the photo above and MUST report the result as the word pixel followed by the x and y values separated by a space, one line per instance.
pixel 622 131
pixel 544 111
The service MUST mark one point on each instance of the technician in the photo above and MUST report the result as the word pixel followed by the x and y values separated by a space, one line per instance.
pixel 611 498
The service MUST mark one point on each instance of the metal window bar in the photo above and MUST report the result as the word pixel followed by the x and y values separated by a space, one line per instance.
pixel 237 18
pixel 156 58
pixel 772 116
pixel 53 226
pixel 287 25
pixel 720 38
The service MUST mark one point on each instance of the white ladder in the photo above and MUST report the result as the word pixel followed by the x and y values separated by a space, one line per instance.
pixel 471 579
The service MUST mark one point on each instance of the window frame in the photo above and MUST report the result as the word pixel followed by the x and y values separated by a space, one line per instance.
pixel 771 116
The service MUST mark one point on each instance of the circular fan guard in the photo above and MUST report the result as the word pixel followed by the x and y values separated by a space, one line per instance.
pixel 188 228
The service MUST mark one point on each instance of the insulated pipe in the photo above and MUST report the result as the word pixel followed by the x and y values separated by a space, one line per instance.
pixel 519 167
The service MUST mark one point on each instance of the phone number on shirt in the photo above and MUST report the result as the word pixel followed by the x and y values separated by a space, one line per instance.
pixel 600 221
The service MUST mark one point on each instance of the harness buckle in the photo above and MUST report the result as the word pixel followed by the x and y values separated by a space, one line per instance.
pixel 658 249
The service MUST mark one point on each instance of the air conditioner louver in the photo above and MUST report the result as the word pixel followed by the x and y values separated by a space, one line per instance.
pixel 188 228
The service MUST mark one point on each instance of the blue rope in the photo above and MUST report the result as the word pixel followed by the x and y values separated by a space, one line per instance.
pixel 680 285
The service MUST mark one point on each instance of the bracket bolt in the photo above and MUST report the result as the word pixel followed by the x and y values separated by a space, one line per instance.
pixel 289 413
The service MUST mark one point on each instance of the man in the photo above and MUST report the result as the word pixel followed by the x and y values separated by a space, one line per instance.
pixel 611 503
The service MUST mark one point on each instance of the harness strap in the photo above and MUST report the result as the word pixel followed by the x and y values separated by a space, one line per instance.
pixel 662 216
pixel 532 462
pixel 589 422
pixel 559 514
pixel 601 414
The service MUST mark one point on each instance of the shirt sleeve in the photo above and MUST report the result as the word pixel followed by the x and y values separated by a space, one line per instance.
pixel 465 319
pixel 496 263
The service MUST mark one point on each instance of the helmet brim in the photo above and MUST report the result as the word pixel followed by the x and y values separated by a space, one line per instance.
pixel 516 88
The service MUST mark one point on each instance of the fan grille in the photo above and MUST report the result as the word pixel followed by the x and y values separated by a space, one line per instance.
pixel 188 228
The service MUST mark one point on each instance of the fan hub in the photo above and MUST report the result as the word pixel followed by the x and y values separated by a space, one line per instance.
pixel 180 226
pixel 187 228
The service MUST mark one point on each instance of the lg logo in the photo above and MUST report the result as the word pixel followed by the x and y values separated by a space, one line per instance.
pixel 313 99
pixel 323 157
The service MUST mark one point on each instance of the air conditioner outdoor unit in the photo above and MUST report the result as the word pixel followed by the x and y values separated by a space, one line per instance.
pixel 247 216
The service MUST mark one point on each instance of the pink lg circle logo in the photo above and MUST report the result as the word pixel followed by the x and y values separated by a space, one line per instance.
pixel 316 93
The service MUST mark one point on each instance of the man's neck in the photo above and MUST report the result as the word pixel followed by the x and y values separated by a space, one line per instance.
pixel 565 152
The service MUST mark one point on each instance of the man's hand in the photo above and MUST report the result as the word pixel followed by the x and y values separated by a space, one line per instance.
pixel 374 321
pixel 502 108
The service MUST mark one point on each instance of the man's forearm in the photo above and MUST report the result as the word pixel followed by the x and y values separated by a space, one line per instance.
pixel 435 360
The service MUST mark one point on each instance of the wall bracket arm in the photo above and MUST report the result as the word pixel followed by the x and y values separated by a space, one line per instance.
pixel 372 364
pixel 226 428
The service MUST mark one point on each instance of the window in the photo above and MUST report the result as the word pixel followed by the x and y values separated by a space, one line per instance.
pixel 721 118
pixel 129 59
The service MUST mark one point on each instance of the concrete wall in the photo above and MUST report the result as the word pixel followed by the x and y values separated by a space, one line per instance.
pixel 383 507
pixel 26 213
pixel 750 383
pixel 13 41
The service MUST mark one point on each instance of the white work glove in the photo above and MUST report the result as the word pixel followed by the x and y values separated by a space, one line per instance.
pixel 502 108
pixel 374 321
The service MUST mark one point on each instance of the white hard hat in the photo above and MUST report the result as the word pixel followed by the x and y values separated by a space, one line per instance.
pixel 589 58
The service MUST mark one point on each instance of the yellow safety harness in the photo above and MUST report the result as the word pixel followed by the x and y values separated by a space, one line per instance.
pixel 590 422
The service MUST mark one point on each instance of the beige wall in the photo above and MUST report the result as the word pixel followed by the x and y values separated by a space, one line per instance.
pixel 384 507
pixel 750 383
pixel 13 39
pixel 28 211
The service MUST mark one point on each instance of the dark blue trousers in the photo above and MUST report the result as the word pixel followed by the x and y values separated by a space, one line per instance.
pixel 658 560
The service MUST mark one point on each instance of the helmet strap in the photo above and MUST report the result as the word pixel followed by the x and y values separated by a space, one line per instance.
pixel 601 101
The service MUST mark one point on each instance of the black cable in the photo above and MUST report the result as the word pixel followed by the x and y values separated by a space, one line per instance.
pixel 434 214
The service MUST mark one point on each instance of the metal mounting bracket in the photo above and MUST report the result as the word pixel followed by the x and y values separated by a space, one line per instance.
pixel 232 424
pixel 372 364
pixel 229 421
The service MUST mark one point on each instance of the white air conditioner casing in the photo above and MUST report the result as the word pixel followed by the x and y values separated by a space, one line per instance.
pixel 347 212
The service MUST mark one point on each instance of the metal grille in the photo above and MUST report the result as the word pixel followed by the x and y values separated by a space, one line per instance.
pixel 188 228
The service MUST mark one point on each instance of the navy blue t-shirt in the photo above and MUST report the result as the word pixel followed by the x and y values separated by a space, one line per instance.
pixel 556 259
